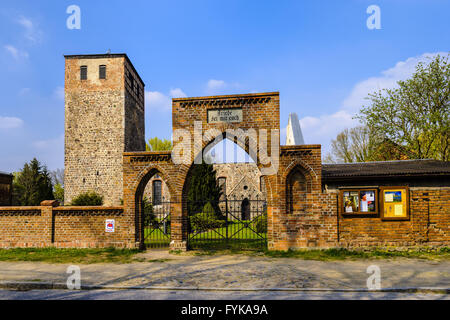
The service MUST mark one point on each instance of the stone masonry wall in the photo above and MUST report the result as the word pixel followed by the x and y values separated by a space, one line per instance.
pixel 242 180
pixel 103 118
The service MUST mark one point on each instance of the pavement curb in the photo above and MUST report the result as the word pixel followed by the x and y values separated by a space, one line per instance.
pixel 29 285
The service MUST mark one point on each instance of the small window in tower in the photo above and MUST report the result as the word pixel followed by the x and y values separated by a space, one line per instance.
pixel 83 73
pixel 102 72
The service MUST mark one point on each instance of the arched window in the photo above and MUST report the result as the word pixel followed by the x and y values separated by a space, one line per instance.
pixel 157 192
pixel 297 188
pixel 245 209
pixel 222 181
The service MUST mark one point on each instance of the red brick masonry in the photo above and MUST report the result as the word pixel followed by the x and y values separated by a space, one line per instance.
pixel 302 211
pixel 49 225
pixel 424 228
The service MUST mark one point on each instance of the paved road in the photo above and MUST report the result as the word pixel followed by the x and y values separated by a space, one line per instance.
pixel 161 269
pixel 209 295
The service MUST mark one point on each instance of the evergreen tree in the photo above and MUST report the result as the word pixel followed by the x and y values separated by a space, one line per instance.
pixel 203 188
pixel 32 185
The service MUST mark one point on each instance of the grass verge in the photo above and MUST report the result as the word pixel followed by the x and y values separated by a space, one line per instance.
pixel 83 256
pixel 111 255
pixel 339 254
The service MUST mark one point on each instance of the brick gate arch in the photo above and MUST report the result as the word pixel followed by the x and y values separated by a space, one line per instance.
pixel 251 119
pixel 216 115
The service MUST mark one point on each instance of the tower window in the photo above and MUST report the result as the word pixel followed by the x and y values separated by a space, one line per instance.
pixel 102 72
pixel 83 73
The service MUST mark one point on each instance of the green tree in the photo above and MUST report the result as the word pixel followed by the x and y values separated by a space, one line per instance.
pixel 58 192
pixel 414 118
pixel 156 144
pixel 32 185
pixel 203 188
pixel 90 198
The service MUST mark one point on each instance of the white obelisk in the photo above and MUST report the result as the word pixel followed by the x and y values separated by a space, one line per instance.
pixel 294 134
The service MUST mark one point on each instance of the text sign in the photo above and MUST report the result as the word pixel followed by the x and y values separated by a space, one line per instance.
pixel 110 225
pixel 225 115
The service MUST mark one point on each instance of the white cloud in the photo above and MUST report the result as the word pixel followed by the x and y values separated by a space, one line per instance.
pixel 58 93
pixel 10 123
pixel 177 93
pixel 32 32
pixel 388 79
pixel 320 130
pixel 50 152
pixel 24 91
pixel 16 53
pixel 324 128
pixel 27 23
pixel 214 86
pixel 44 144
pixel 156 100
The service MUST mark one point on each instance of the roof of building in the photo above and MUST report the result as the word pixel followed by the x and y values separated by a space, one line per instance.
pixel 105 55
pixel 386 168
pixel 5 173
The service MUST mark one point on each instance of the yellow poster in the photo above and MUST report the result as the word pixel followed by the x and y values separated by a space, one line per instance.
pixel 395 203
pixel 398 210
pixel 388 197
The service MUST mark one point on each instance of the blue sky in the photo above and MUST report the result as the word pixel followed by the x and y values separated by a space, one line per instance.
pixel 320 55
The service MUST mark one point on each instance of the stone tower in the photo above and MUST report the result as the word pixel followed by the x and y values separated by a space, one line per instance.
pixel 104 117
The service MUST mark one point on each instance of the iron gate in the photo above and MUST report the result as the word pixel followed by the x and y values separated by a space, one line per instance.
pixel 230 223
pixel 156 223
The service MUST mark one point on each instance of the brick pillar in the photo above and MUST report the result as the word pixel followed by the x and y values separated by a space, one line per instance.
pixel 270 235
pixel 131 220
pixel 178 228
pixel 48 220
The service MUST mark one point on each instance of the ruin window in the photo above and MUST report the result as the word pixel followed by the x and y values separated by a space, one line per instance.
pixel 157 192
pixel 83 73
pixel 222 182
pixel 354 202
pixel 262 184
pixel 245 209
pixel 102 72
pixel 297 189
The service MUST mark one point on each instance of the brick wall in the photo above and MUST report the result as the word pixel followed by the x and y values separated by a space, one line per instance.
pixel 424 228
pixel 315 225
pixel 319 227
pixel 74 227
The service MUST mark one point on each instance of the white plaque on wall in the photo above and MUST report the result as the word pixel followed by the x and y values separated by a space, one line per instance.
pixel 225 115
